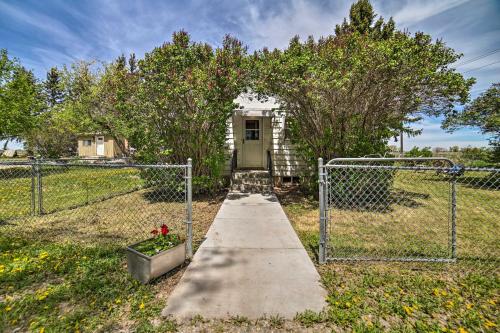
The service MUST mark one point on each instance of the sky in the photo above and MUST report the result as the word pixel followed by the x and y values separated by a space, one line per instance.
pixel 43 34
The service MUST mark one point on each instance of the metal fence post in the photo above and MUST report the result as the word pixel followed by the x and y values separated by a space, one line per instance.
pixel 40 186
pixel 322 213
pixel 454 217
pixel 33 194
pixel 189 221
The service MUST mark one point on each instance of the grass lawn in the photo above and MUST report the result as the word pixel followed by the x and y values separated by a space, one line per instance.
pixel 382 296
pixel 66 272
pixel 62 187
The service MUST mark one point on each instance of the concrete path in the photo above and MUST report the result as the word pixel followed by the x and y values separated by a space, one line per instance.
pixel 251 264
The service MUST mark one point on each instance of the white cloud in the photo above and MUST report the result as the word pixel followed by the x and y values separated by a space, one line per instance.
pixel 419 10
pixel 297 18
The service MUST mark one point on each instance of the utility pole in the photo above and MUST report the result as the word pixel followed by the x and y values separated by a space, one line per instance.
pixel 401 149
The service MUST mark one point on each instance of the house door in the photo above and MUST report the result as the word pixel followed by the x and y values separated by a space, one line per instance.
pixel 99 143
pixel 252 143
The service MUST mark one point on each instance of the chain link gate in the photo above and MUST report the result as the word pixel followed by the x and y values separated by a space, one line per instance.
pixel 388 209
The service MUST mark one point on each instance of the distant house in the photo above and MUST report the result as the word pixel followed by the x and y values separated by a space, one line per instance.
pixel 100 146
pixel 258 134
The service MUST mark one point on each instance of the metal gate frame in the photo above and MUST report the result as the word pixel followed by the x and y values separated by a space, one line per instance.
pixel 339 163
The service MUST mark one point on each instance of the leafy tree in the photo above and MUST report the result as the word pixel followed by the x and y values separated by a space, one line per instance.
pixel 55 133
pixel 482 113
pixel 185 99
pixel 417 152
pixel 20 99
pixel 347 94
pixel 112 106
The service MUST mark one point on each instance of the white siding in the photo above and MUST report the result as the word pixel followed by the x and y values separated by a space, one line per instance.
pixel 229 147
pixel 285 160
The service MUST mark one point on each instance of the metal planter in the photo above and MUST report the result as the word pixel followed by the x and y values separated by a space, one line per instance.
pixel 145 268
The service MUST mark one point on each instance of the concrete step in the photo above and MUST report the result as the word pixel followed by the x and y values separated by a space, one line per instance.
pixel 251 174
pixel 248 188
pixel 264 181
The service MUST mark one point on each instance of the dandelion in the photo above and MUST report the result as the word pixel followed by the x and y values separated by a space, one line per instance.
pixel 489 324
pixel 449 304
pixel 141 306
pixel 17 270
pixel 43 255
pixel 469 306
pixel 444 293
pixel 436 292
pixel 42 330
pixel 408 310
pixel 462 330
pixel 2 268
pixel 42 296
pixel 118 301
pixel 8 308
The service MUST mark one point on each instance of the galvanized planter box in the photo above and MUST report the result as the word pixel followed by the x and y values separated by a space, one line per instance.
pixel 145 268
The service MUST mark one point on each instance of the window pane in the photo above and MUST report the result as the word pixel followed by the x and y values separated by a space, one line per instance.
pixel 252 124
pixel 251 134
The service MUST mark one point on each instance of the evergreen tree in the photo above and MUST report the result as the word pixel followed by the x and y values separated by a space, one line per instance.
pixel 132 63
pixel 121 62
pixel 53 87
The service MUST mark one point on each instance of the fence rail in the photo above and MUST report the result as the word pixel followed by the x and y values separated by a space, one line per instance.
pixel 105 202
pixel 424 209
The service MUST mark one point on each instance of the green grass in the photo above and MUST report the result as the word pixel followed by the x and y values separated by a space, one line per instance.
pixel 391 296
pixel 66 271
pixel 62 187
pixel 61 287
pixel 415 220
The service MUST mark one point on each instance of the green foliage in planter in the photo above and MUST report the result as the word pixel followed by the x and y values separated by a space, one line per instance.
pixel 158 244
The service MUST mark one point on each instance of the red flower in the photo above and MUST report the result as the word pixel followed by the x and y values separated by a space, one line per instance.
pixel 154 232
pixel 164 229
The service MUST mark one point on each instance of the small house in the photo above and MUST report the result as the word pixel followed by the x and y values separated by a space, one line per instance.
pixel 100 146
pixel 258 138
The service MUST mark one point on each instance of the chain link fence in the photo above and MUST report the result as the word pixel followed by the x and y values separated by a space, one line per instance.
pixel 93 201
pixel 423 209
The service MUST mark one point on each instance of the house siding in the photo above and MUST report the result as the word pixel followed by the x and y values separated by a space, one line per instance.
pixel 286 162
pixel 111 148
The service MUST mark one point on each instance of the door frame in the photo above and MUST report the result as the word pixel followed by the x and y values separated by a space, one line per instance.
pixel 97 145
pixel 261 140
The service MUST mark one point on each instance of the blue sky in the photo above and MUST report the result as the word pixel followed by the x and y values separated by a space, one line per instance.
pixel 47 33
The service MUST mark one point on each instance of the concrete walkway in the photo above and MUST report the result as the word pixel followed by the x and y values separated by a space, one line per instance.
pixel 251 264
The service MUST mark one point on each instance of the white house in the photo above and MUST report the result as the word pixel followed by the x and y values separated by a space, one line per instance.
pixel 256 128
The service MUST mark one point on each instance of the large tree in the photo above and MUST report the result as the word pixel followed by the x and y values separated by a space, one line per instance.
pixel 185 99
pixel 347 94
pixel 20 99
pixel 113 107
pixel 482 113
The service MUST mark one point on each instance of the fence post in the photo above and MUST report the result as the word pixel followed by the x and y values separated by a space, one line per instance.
pixel 40 186
pixel 189 243
pixel 33 194
pixel 454 217
pixel 322 213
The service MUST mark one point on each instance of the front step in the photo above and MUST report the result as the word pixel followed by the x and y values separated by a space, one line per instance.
pixel 251 181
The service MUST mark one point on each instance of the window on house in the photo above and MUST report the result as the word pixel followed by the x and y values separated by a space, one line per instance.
pixel 252 130
pixel 87 142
